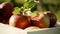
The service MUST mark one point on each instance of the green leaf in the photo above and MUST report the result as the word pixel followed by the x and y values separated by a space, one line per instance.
pixel 30 4
pixel 16 10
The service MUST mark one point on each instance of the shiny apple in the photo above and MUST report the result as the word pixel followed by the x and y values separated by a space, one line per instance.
pixel 20 21
pixel 5 11
pixel 41 20
pixel 53 18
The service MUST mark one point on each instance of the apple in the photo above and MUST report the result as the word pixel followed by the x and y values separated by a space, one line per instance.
pixel 53 18
pixel 19 21
pixel 41 20
pixel 30 28
pixel 6 11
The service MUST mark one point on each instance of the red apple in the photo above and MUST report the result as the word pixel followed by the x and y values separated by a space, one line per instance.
pixel 20 21
pixel 53 18
pixel 5 11
pixel 41 20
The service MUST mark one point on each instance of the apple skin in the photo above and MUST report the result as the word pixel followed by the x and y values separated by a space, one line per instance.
pixel 40 21
pixel 19 21
pixel 53 18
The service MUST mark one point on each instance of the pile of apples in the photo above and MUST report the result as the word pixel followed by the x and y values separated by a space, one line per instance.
pixel 41 20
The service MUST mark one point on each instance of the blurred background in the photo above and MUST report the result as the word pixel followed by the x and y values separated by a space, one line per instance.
pixel 48 5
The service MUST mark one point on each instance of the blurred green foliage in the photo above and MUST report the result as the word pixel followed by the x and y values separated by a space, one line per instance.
pixel 5 1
